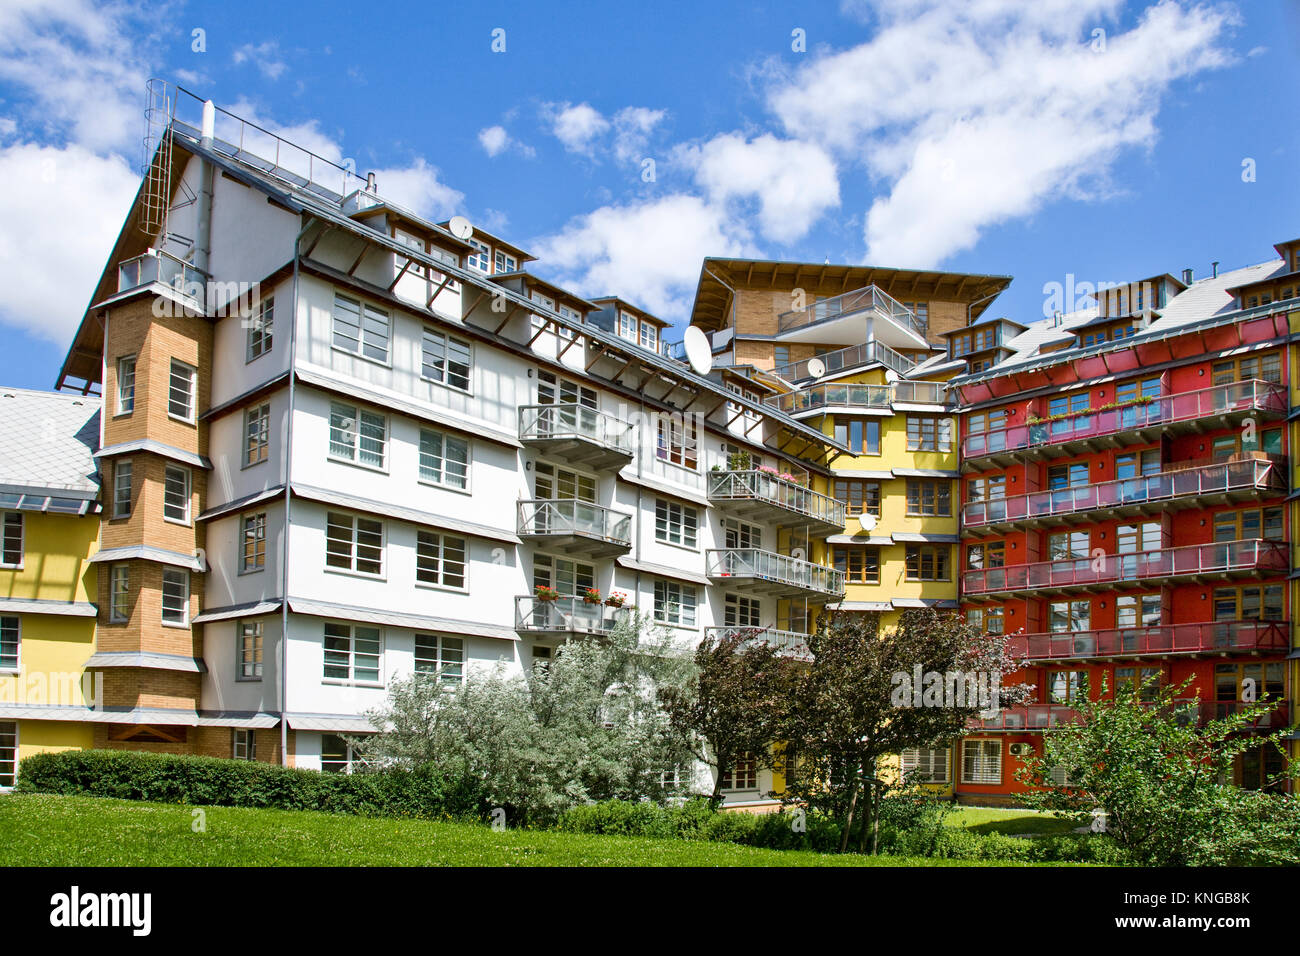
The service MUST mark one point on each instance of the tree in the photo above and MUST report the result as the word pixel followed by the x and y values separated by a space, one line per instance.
pixel 868 694
pixel 734 705
pixel 1162 780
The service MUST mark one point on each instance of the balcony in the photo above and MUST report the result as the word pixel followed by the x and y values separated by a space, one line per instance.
pixel 575 527
pixel 843 360
pixel 1028 717
pixel 566 616
pixel 1171 490
pixel 1276 719
pixel 159 267
pixel 770 499
pixel 1209 637
pixel 858 316
pixel 766 572
pixel 1198 562
pixel 1140 423
pixel 819 399
pixel 577 434
pixel 786 643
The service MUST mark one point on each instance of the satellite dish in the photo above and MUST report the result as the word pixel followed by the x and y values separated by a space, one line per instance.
pixel 891 376
pixel 868 521
pixel 698 351
pixel 816 367
pixel 460 227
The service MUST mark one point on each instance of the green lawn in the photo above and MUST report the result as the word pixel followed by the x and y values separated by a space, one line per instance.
pixel 1009 822
pixel 42 830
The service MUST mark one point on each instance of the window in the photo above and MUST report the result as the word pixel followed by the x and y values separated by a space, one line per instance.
pixel 979 556
pixel 444 459
pixel 860 563
pixel 674 603
pixel 677 441
pixel 8 753
pixel 675 524
pixel 859 497
pixel 1144 682
pixel 1251 523
pixel 738 611
pixel 257 434
pixel 250 650
pixel 990 620
pixel 1069 616
pixel 445 360
pixel 176 494
pixel 259 329
pixel 243 744
pixel 742 774
pixel 1067 687
pixel 1074 475
pixel 354 543
pixel 505 262
pixel 987 489
pixel 352 652
pixel 981 761
pixel 1136 464
pixel 1251 602
pixel 440 559
pixel 929 433
pixel 1069 404
pixel 1138 610
pixel 569 578
pixel 480 260
pixel 119 592
pixel 126 385
pixel 649 336
pixel 180 391
pixel 122 489
pixel 561 484
pixel 987 421
pixel 10 641
pixel 360 329
pixel 357 435
pixel 1148 388
pixel 781 356
pixel 1068 545
pixel 861 435
pixel 741 534
pixel 11 540
pixel 925 764
pixel 253 555
pixel 1266 368
pixel 335 754
pixel 928 496
pixel 927 562
pixel 441 657
pixel 546 302
pixel 175 596
pixel 627 325
pixel 553 390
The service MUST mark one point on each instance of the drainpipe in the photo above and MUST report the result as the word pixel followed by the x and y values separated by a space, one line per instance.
pixel 288 500
pixel 207 175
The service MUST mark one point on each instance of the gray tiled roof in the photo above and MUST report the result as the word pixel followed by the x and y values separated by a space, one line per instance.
pixel 47 440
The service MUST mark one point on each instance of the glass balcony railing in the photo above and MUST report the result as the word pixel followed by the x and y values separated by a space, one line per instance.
pixel 787 643
pixel 165 269
pixel 570 421
pixel 816 397
pixel 1264 557
pixel 851 303
pixel 1188 710
pixel 1259 474
pixel 571 517
pixel 855 356
pixel 1027 717
pixel 566 615
pixel 778 569
pixel 1213 637
pixel 765 488
pixel 1219 400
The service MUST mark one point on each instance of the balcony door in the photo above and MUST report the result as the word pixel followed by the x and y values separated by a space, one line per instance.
pixel 1062 482
pixel 1139 403
pixel 1133 472
pixel 1137 548
pixel 574 497
pixel 571 580
pixel 579 413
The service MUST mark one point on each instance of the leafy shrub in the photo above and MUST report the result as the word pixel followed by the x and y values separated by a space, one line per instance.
pixel 427 792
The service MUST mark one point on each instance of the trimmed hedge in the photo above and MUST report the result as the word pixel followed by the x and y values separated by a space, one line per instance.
pixel 426 793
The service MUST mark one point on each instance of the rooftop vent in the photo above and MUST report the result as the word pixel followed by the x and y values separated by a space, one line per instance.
pixel 1215 266
pixel 1187 277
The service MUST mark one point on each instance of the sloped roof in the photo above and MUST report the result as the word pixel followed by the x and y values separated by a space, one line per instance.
pixel 47 443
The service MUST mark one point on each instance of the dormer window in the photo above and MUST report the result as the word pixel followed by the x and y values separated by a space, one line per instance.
pixel 481 259
pixel 505 263
pixel 627 326
pixel 649 336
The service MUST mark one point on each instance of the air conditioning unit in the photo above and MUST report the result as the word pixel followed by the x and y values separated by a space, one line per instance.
pixel 1021 750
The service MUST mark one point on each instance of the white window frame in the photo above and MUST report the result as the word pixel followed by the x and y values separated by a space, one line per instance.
pixel 243 743
pixel 649 336
pixel 503 262
pixel 628 326
pixel 678 442
pixel 183 576
pixel 255 521
pixel 927 760
pixel 728 783
pixel 432 554
pixel 740 610
pixel 119 597
pixel 671 605
pixel 187 372
pixel 8 522
pixel 362 429
pixel 122 502
pixel 353 542
pixel 8 753
pixel 367 342
pixel 349 761
pixel 441 656
pixel 170 471
pixel 249 668
pixel 260 330
pixel 440 458
pixel 11 623
pixel 480 260
pixel 126 366
pixel 435 338
pixel 347 658
pixel 982 775
pixel 674 519
pixel 257 434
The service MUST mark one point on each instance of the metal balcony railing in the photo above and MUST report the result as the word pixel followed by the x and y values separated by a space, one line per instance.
pixel 569 516
pixel 816 397
pixel 1027 717
pixel 1255 473
pixel 1217 558
pixel 567 614
pixel 779 569
pixel 765 487
pixel 1188 710
pixel 165 269
pixel 1156 641
pixel 850 303
pixel 1218 400
pixel 786 643
pixel 570 420
pixel 855 356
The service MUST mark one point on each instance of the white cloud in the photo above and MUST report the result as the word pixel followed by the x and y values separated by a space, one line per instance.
pixel 793 183
pixel 576 126
pixel 971 113
pixel 61 225
pixel 632 128
pixel 265 56
pixel 648 252
pixel 494 140
pixel 418 188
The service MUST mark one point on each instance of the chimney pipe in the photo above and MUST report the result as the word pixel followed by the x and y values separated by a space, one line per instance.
pixel 371 184
pixel 1215 266
pixel 208 130
pixel 1187 277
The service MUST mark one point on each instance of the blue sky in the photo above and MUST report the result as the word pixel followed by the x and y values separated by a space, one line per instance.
pixel 1090 137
